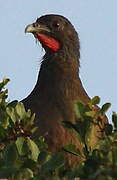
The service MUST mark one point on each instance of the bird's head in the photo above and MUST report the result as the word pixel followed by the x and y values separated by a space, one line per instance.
pixel 55 33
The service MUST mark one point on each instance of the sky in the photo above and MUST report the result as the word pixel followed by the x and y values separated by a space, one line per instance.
pixel 94 20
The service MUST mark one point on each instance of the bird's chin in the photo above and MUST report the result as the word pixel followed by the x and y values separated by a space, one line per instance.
pixel 47 41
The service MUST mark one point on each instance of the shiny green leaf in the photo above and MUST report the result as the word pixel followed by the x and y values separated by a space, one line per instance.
pixel 55 162
pixel 71 148
pixel 95 100
pixel 19 144
pixel 34 150
pixel 105 107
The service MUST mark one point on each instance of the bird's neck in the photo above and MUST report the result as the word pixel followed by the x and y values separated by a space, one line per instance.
pixel 58 81
pixel 58 67
pixel 57 73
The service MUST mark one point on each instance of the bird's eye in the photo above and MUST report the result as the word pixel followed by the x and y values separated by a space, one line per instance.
pixel 56 24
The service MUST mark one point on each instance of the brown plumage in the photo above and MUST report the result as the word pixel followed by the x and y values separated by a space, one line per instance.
pixel 58 85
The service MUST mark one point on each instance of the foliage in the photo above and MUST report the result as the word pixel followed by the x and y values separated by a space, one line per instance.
pixel 26 157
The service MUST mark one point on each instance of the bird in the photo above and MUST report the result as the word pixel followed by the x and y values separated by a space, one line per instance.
pixel 58 84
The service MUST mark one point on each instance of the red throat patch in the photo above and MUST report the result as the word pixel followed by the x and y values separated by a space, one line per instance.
pixel 48 41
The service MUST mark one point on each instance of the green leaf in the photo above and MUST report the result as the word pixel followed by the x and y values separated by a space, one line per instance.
pixel 28 113
pixel 24 174
pixel 20 110
pixel 11 112
pixel 11 155
pixel 90 131
pixel 40 141
pixel 3 82
pixel 90 114
pixel 71 148
pixel 4 119
pixel 12 104
pixel 27 118
pixel 75 129
pixel 44 156
pixel 105 107
pixel 33 130
pixel 32 118
pixel 79 108
pixel 19 144
pixel 95 100
pixel 54 163
pixel 3 96
pixel 34 150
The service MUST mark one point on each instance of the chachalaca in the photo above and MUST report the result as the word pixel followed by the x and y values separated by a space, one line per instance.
pixel 58 85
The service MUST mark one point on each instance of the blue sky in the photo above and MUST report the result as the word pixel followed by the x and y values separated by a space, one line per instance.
pixel 94 20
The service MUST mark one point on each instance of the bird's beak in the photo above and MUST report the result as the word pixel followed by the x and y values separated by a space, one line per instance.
pixel 36 28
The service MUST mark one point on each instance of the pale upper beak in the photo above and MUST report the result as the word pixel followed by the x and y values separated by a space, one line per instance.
pixel 36 28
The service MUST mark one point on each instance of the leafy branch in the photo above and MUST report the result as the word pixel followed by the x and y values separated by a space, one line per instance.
pixel 26 157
